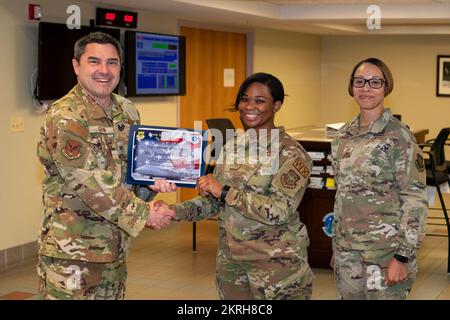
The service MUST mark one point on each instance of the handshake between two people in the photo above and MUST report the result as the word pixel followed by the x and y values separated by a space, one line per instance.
pixel 161 215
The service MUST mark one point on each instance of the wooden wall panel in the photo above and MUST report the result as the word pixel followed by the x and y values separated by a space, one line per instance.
pixel 229 51
pixel 197 103
pixel 208 52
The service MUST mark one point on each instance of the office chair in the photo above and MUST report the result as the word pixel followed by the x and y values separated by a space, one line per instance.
pixel 441 153
pixel 221 124
pixel 437 174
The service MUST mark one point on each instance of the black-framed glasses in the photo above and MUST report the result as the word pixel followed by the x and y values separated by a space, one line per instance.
pixel 374 83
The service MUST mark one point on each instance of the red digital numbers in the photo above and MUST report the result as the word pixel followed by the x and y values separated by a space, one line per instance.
pixel 110 16
pixel 118 18
pixel 128 18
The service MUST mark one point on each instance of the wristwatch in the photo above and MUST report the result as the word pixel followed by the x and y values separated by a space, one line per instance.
pixel 224 193
pixel 401 259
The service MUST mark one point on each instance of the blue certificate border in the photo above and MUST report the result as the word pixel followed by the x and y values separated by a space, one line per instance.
pixel 146 132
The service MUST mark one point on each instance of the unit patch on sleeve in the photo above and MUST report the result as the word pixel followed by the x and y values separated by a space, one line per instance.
pixel 72 150
pixel 301 168
pixel 289 180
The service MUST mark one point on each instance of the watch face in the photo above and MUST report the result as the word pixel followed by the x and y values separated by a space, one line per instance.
pixel 400 258
pixel 224 192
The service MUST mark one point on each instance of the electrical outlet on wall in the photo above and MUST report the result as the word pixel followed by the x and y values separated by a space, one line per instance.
pixel 16 124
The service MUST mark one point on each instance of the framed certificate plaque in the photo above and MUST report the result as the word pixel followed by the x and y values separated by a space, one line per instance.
pixel 173 154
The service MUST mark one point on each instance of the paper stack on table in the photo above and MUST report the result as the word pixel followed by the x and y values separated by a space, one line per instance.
pixel 332 128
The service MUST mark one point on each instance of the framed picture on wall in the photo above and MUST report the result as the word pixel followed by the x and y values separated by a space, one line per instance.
pixel 443 76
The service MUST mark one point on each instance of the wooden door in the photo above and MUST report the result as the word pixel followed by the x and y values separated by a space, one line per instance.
pixel 208 53
pixel 198 101
pixel 229 52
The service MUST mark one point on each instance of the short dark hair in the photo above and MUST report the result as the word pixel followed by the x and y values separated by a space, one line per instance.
pixel 273 83
pixel 95 37
pixel 389 85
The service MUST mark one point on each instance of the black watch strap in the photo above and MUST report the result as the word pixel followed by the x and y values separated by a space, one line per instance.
pixel 224 193
pixel 400 258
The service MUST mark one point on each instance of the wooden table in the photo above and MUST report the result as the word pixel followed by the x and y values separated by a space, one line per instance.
pixel 420 135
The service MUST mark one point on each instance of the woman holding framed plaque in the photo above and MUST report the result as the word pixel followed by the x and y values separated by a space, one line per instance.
pixel 258 183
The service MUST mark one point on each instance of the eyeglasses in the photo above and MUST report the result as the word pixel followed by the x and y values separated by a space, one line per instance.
pixel 374 83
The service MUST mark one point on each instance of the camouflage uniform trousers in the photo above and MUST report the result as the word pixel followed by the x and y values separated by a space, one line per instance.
pixel 273 279
pixel 79 280
pixel 360 275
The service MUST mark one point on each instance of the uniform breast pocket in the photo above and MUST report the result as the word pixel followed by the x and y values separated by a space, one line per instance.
pixel 380 164
pixel 373 166
pixel 122 131
pixel 101 144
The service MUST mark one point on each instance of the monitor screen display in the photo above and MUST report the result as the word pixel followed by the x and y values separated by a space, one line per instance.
pixel 155 64
pixel 55 53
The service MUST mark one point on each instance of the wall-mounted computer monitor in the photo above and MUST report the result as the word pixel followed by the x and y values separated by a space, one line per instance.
pixel 55 53
pixel 155 64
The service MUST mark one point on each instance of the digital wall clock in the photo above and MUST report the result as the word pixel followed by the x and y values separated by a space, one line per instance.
pixel 116 18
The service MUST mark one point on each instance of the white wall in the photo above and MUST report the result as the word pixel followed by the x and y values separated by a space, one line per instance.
pixel 295 59
pixel 20 171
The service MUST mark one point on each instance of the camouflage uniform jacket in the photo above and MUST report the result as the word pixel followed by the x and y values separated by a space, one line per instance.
pixel 89 212
pixel 381 193
pixel 258 219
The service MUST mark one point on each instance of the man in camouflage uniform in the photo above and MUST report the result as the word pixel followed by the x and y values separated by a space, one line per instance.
pixel 380 207
pixel 262 245
pixel 89 212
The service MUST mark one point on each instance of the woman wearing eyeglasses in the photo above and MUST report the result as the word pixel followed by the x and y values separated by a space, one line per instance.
pixel 381 203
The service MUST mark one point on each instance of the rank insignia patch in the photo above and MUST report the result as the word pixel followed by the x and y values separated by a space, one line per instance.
pixel 419 163
pixel 289 180
pixel 72 150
